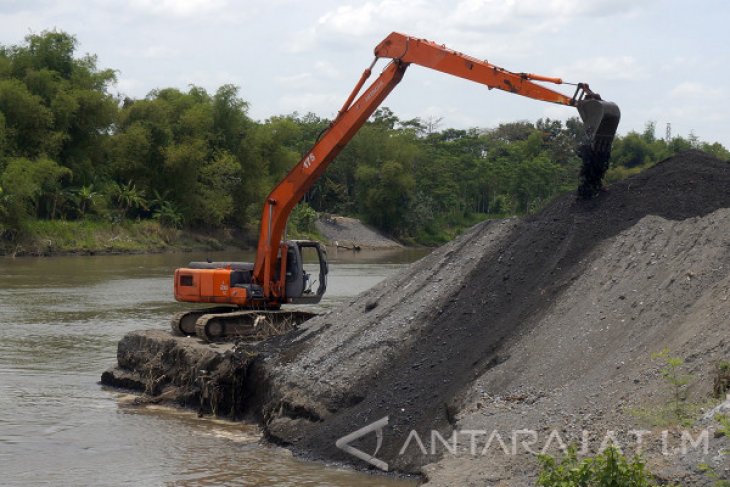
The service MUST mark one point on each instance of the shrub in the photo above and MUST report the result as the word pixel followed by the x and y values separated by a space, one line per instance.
pixel 607 469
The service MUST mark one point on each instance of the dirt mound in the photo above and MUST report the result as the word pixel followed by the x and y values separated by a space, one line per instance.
pixel 585 364
pixel 343 231
pixel 412 348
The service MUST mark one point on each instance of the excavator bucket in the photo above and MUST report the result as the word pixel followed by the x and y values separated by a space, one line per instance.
pixel 600 119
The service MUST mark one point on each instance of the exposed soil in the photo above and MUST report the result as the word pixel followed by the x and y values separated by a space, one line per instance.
pixel 343 231
pixel 182 370
pixel 412 348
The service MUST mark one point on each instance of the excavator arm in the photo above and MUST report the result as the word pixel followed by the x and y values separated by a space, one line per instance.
pixel 301 177
pixel 600 119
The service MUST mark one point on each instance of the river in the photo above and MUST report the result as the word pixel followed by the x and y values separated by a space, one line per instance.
pixel 60 321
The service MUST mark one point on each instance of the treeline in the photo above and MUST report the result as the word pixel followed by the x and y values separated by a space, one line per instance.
pixel 71 150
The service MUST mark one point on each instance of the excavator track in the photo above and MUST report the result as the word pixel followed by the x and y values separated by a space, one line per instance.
pixel 183 323
pixel 248 325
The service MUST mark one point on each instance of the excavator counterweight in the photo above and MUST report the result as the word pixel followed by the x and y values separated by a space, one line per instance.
pixel 252 294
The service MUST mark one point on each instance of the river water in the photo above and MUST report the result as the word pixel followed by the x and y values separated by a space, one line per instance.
pixel 60 321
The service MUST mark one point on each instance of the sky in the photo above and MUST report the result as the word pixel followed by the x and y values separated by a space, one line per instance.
pixel 665 62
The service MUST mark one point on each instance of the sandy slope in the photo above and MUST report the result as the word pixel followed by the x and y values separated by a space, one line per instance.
pixel 530 310
pixel 351 232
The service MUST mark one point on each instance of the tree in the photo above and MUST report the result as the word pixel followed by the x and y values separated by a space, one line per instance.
pixel 55 104
pixel 32 188
pixel 631 151
pixel 128 198
pixel 386 194
pixel 230 121
pixel 27 122
pixel 86 198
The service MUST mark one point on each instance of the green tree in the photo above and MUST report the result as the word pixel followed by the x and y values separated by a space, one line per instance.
pixel 27 122
pixel 387 192
pixel 129 198
pixel 32 189
pixel 86 198
pixel 57 105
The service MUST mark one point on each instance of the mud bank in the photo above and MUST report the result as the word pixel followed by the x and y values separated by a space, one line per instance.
pixel 536 323
pixel 184 371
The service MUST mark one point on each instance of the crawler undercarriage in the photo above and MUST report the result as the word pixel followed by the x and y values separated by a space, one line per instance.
pixel 230 323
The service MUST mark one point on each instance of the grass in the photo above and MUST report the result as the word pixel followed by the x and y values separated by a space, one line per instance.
pixel 665 415
pixel 45 237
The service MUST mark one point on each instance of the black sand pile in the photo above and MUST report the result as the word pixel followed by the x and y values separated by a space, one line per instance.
pixel 319 385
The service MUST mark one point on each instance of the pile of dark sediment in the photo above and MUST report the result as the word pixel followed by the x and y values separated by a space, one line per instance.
pixel 410 348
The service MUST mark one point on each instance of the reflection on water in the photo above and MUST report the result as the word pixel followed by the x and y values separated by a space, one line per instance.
pixel 60 321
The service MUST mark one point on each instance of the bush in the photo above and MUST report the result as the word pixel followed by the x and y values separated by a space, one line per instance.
pixel 168 216
pixel 302 219
pixel 607 469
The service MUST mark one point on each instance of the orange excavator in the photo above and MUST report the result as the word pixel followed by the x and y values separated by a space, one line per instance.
pixel 247 294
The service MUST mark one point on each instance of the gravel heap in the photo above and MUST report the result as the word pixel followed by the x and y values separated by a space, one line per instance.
pixel 521 323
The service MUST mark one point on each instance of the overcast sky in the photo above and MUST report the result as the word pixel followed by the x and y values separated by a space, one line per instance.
pixel 661 61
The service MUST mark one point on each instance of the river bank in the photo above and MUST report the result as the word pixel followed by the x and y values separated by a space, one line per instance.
pixel 44 238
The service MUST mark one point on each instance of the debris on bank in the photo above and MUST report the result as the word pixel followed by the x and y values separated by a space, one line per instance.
pixel 184 371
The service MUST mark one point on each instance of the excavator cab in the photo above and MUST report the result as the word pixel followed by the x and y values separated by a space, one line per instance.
pixel 298 284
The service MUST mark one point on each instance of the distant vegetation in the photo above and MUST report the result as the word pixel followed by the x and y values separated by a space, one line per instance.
pixel 70 150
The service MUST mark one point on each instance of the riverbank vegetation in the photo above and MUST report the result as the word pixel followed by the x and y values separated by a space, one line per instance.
pixel 73 152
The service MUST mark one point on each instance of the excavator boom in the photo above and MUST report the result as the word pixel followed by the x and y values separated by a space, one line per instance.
pixel 600 118
pixel 428 54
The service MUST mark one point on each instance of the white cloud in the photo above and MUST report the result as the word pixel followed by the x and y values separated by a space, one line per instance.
pixel 322 103
pixel 690 89
pixel 129 86
pixel 694 104
pixel 158 52
pixel 605 68
pixel 180 8
pixel 356 21
pixel 485 16
pixel 322 71
pixel 295 80
pixel 210 80
pixel 327 69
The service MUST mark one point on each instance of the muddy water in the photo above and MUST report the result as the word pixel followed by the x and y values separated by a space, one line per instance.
pixel 60 320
